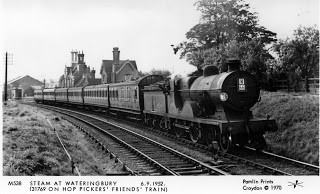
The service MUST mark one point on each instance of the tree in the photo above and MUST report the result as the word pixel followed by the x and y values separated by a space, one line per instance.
pixel 252 54
pixel 164 73
pixel 300 55
pixel 222 22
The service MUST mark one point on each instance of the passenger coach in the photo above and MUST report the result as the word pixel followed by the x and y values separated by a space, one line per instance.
pixel 49 95
pixel 75 95
pixel 38 97
pixel 96 96
pixel 61 95
pixel 127 97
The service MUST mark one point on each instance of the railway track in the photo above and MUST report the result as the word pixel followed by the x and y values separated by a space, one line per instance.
pixel 263 162
pixel 151 157
pixel 284 164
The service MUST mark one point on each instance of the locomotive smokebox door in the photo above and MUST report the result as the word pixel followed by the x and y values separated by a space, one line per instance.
pixel 242 85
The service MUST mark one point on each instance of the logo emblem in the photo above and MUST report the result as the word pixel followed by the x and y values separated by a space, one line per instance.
pixel 296 184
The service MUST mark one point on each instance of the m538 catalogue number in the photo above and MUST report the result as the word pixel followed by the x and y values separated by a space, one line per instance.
pixel 14 183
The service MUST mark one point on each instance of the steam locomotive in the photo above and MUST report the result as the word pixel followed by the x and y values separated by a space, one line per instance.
pixel 213 108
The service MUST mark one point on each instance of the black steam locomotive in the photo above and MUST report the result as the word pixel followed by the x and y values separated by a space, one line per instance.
pixel 213 108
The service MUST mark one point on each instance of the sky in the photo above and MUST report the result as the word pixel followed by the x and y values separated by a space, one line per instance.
pixel 41 33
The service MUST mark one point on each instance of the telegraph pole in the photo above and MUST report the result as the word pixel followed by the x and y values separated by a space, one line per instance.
pixel 5 84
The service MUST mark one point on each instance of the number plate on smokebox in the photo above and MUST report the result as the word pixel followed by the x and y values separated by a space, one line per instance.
pixel 242 85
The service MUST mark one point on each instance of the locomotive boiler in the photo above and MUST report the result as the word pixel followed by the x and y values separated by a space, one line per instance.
pixel 214 108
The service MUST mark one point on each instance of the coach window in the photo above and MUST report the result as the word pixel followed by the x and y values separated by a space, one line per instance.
pixel 136 94
pixel 124 90
pixel 112 94
pixel 120 94
pixel 132 94
pixel 126 94
pixel 117 93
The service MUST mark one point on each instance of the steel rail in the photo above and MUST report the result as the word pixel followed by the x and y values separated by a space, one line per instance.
pixel 203 165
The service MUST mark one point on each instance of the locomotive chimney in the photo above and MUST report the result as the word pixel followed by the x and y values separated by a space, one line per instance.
pixel 233 65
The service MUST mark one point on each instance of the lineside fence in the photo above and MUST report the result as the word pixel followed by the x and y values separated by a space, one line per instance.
pixel 298 86
pixel 73 166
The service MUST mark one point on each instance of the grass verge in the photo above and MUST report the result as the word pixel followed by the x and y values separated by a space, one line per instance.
pixel 30 146
pixel 297 117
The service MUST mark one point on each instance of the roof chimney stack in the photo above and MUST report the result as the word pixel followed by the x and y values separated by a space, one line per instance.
pixel 116 55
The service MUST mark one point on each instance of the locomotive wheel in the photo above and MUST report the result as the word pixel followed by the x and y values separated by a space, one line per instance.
pixel 148 121
pixel 225 142
pixel 162 125
pixel 155 123
pixel 178 132
pixel 194 132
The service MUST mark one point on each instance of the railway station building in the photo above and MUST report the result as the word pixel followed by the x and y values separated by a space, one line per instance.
pixel 22 86
pixel 116 70
pixel 78 74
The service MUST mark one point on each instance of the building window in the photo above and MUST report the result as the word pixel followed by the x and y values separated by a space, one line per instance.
pixel 127 77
